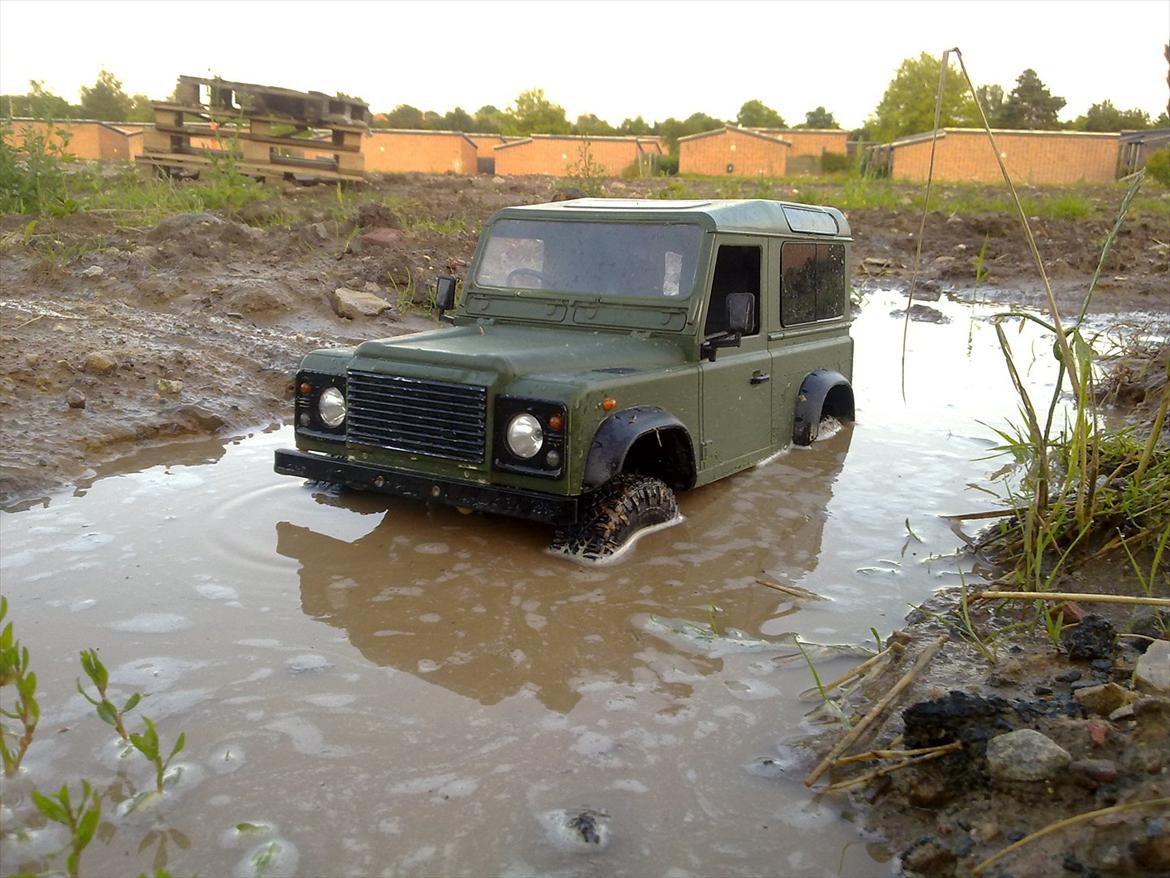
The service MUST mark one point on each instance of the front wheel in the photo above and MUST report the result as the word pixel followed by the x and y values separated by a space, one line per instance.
pixel 615 513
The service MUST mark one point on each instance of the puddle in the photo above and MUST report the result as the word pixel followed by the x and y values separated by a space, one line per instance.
pixel 419 691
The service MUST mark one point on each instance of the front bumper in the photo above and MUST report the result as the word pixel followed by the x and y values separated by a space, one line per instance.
pixel 546 508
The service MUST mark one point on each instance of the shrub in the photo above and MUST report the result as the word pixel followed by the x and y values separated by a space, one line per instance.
pixel 667 165
pixel 33 178
pixel 832 162
pixel 1158 165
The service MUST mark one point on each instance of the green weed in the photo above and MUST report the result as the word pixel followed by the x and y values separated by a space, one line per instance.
pixel 96 671
pixel 14 670
pixel 81 821
pixel 34 175
pixel 148 745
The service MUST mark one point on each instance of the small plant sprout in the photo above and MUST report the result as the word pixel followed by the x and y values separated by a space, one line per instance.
pixel 14 670
pixel 96 671
pixel 81 821
pixel 148 745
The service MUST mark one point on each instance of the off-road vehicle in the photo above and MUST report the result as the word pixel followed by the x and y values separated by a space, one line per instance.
pixel 605 353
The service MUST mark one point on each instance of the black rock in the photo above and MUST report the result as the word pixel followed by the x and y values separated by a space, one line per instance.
pixel 1068 676
pixel 1104 665
pixel 1015 835
pixel 1042 690
pixel 1093 638
pixel 1072 864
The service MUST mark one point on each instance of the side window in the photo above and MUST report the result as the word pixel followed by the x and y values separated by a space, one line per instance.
pixel 812 282
pixel 737 270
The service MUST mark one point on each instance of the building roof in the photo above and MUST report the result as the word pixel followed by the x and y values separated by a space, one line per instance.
pixel 637 139
pixel 421 131
pixel 919 138
pixel 731 128
pixel 800 131
pixel 752 216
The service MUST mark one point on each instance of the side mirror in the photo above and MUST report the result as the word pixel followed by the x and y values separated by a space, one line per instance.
pixel 741 312
pixel 444 294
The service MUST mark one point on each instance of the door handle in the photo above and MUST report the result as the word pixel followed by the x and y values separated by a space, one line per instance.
pixel 759 377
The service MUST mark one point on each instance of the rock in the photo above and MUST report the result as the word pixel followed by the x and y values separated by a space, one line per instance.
pixel 93 271
pixel 203 418
pixel 1153 852
pixel 1025 755
pixel 1149 622
pixel 569 193
pixel 875 262
pixel 74 398
pixel 383 237
pixel 182 222
pixel 923 314
pixel 1124 712
pixel 1094 638
pixel 349 303
pixel 374 214
pixel 1093 772
pixel 1153 668
pixel 1104 699
pixel 584 829
pixel 928 856
pixel 1068 676
pixel 169 386
pixel 238 233
pixel 101 363
pixel 929 790
pixel 1098 731
pixel 956 716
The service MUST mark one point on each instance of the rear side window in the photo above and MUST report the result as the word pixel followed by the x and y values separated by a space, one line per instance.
pixel 812 282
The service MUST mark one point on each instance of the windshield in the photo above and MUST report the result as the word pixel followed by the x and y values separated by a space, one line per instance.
pixel 610 259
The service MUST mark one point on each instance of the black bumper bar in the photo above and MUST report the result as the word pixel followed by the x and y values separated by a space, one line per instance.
pixel 546 508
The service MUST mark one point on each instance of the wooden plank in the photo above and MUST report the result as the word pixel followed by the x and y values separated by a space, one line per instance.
pixel 228 134
pixel 256 169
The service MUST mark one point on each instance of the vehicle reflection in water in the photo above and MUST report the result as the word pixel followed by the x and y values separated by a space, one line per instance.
pixel 490 627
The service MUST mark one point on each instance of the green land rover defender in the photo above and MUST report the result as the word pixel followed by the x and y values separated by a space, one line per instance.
pixel 606 353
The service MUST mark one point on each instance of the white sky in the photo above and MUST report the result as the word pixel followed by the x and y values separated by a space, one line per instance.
pixel 615 59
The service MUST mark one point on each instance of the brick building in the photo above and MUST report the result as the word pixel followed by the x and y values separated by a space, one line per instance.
pixel 965 155
pixel 739 152
pixel 86 138
pixel 426 152
pixel 809 145
pixel 558 155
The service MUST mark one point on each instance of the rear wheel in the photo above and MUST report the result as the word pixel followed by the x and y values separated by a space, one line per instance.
pixel 615 513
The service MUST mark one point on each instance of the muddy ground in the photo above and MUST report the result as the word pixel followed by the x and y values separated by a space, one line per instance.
pixel 114 336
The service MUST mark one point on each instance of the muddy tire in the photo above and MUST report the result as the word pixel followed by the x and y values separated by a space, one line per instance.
pixel 615 513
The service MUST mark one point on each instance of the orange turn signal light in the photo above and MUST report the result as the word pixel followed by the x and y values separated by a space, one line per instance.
pixel 555 422
pixel 609 404
pixel 306 388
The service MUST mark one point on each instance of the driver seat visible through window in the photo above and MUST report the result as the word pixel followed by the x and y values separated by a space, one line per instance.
pixel 737 270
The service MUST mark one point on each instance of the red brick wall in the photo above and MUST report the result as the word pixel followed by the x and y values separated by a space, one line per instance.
pixel 556 156
pixel 85 139
pixel 810 141
pixel 966 156
pixel 750 155
pixel 423 152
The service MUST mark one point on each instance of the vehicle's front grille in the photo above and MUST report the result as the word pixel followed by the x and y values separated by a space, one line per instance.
pixel 434 418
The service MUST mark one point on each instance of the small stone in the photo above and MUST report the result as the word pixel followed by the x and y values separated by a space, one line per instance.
pixel 74 398
pixel 1072 864
pixel 1094 772
pixel 1103 665
pixel 169 386
pixel 1124 712
pixel 1153 668
pixel 929 791
pixel 93 271
pixel 383 237
pixel 1098 732
pixel 1104 699
pixel 1068 676
pixel 101 363
pixel 1015 835
pixel 1093 638
pixel 1025 755
pixel 1153 852
pixel 1042 690
pixel 928 856
pixel 349 303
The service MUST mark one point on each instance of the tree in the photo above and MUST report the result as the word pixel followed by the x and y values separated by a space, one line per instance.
pixel 1030 106
pixel 492 120
pixel 404 116
pixel 637 125
pixel 536 114
pixel 106 100
pixel 756 114
pixel 991 97
pixel 141 109
pixel 819 118
pixel 38 103
pixel 588 123
pixel 670 130
pixel 458 120
pixel 1106 117
pixel 907 107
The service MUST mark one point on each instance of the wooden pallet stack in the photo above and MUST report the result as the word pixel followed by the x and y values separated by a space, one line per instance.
pixel 268 132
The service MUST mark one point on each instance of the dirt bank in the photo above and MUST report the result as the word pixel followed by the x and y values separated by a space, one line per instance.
pixel 115 335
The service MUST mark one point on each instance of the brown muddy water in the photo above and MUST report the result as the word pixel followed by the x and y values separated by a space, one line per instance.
pixel 369 686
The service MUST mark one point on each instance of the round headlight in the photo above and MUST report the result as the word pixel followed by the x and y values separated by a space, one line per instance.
pixel 524 436
pixel 331 407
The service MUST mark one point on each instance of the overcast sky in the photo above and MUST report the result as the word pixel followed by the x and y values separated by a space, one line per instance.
pixel 618 60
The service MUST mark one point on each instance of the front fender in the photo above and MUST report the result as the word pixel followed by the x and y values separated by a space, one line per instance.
pixel 617 434
pixel 810 403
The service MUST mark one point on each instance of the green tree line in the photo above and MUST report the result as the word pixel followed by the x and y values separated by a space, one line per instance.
pixel 906 107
